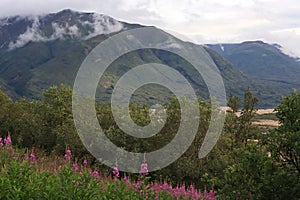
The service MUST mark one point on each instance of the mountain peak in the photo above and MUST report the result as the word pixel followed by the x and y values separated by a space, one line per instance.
pixel 67 11
pixel 254 42
pixel 17 31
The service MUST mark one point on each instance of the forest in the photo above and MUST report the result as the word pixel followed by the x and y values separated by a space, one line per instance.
pixel 42 156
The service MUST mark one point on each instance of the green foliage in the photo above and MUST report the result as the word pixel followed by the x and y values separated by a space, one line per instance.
pixel 247 114
pixel 237 167
pixel 5 111
pixel 236 82
pixel 254 175
pixel 22 179
pixel 268 116
pixel 233 103
pixel 284 142
pixel 261 60
pixel 27 71
pixel 254 170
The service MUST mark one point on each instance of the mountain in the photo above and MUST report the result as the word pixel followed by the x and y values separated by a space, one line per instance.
pixel 40 51
pixel 262 61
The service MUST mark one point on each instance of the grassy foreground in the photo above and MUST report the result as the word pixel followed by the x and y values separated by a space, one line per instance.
pixel 30 175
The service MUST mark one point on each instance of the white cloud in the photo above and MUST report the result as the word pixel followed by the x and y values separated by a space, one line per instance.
pixel 101 25
pixel 169 44
pixel 59 31
pixel 74 31
pixel 31 34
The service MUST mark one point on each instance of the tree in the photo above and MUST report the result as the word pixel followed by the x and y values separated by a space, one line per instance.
pixel 240 127
pixel 254 175
pixel 6 105
pixel 233 103
pixel 59 130
pixel 247 113
pixel 284 141
pixel 231 123
pixel 27 122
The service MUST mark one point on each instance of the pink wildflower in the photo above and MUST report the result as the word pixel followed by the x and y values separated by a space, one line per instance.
pixel 116 172
pixel 75 167
pixel 144 169
pixel 156 187
pixel 212 195
pixel 68 154
pixel 165 186
pixel 95 173
pixel 1 142
pixel 7 141
pixel 138 184
pixel 85 162
pixel 32 157
pixel 176 192
pixel 125 179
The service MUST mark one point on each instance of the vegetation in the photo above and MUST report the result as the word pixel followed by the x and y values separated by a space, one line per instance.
pixel 246 163
pixel 23 176
pixel 31 69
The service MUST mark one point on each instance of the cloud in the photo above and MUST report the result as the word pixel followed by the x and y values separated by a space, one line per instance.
pixel 59 31
pixel 101 24
pixel 169 44
pixel 31 34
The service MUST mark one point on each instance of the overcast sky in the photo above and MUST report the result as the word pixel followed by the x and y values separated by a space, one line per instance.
pixel 202 21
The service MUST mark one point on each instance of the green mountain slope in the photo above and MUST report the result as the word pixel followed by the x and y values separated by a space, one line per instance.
pixel 262 61
pixel 37 52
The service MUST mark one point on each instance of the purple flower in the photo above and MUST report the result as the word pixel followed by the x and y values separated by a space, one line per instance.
pixel 32 157
pixel 95 173
pixel 1 142
pixel 138 184
pixel 68 154
pixel 144 169
pixel 116 172
pixel 7 141
pixel 75 167
pixel 85 162
pixel 125 179
pixel 165 186
pixel 212 194
pixel 176 191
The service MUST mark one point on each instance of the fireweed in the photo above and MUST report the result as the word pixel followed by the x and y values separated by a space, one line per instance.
pixel 21 180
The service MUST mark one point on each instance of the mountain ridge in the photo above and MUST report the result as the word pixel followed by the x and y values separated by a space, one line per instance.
pixel 262 61
pixel 27 67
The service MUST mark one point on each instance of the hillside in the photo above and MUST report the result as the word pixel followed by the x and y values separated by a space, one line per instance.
pixel 262 61
pixel 39 51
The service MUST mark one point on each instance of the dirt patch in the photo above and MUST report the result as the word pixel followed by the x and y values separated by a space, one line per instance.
pixel 266 122
pixel 259 111
pixel 265 111
pixel 260 122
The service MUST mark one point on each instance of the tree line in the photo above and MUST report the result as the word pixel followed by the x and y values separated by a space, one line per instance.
pixel 246 163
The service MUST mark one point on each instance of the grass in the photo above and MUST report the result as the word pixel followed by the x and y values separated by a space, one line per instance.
pixel 30 174
pixel 268 116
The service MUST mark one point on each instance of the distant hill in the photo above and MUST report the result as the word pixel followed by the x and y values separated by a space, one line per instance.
pixel 262 61
pixel 40 51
